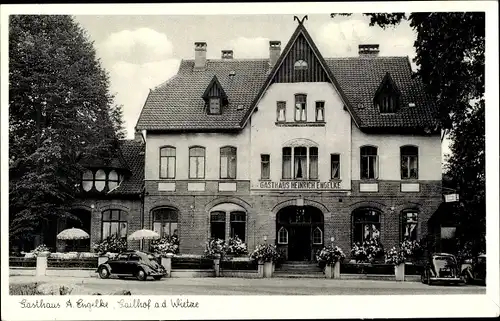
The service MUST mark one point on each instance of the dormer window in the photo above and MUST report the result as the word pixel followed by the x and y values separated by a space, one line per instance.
pixel 387 96
pixel 100 180
pixel 214 105
pixel 215 97
pixel 300 65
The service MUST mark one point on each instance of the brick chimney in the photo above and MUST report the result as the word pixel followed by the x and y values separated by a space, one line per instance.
pixel 368 50
pixel 138 136
pixel 200 55
pixel 274 51
pixel 227 54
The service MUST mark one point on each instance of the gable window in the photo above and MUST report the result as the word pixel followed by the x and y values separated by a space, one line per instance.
pixel 238 224
pixel 87 180
pixel 300 107
pixel 387 95
pixel 287 162
pixel 409 162
pixel 114 222
pixel 366 225
pixel 410 221
pixel 281 111
pixel 165 221
pixel 387 104
pixel 335 164
pixel 214 105
pixel 218 225
pixel 197 162
pixel 100 180
pixel 113 180
pixel 369 164
pixel 167 162
pixel 320 111
pixel 265 166
pixel 228 162
pixel 313 162
pixel 317 236
pixel 283 236
pixel 300 65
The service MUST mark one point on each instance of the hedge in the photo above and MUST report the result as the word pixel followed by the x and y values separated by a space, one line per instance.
pixel 239 265
pixel 22 262
pixel 357 268
pixel 24 289
pixel 189 263
pixel 87 263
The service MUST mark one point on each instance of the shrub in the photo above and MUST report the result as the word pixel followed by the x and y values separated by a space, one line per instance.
pixel 236 246
pixel 265 253
pixel 165 245
pixel 39 249
pixel 368 251
pixel 113 244
pixel 412 249
pixel 395 256
pixel 330 255
pixel 215 247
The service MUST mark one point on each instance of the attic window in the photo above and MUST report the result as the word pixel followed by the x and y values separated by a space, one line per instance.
pixel 387 104
pixel 386 97
pixel 214 106
pixel 300 65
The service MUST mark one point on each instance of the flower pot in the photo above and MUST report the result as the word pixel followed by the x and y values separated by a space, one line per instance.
pixel 217 266
pixel 336 270
pixel 329 271
pixel 268 269
pixel 399 271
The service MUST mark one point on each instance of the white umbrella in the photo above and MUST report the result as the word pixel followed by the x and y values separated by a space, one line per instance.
pixel 143 234
pixel 73 234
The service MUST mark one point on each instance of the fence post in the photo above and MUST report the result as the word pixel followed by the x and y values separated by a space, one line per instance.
pixel 260 269
pixel 217 265
pixel 167 263
pixel 336 270
pixel 41 263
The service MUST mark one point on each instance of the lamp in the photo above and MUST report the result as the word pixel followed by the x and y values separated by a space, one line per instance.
pixel 265 238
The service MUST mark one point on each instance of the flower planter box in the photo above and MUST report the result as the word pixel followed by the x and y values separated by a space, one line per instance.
pixel 332 271
pixel 268 269
pixel 399 272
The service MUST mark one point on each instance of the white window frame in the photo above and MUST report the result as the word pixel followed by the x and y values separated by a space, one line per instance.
pixel 279 235
pixel 321 235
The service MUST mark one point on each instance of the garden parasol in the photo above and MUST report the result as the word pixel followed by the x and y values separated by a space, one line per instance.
pixel 73 234
pixel 143 234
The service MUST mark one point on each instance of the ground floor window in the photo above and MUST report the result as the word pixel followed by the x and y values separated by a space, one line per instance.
pixel 114 222
pixel 365 225
pixel 238 225
pixel 218 225
pixel 165 221
pixel 410 221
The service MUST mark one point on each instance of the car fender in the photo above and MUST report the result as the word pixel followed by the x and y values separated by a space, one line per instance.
pixel 468 271
pixel 106 265
pixel 144 267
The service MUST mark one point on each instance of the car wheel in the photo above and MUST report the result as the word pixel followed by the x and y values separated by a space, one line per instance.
pixel 157 277
pixel 423 278
pixel 103 272
pixel 141 275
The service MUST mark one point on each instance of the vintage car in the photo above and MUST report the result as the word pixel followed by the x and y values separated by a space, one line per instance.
pixel 132 263
pixel 441 267
pixel 474 270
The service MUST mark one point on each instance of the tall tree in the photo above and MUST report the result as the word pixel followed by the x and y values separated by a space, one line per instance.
pixel 450 60
pixel 60 109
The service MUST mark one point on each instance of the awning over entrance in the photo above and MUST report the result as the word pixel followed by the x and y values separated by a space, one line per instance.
pixel 227 207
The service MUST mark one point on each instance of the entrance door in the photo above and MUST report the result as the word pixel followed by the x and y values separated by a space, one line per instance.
pixel 300 243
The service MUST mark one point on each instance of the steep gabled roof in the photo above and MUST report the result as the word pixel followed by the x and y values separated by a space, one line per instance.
pixel 300 31
pixel 387 82
pixel 218 88
pixel 133 153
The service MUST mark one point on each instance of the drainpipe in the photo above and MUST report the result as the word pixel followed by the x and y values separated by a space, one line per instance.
pixel 141 197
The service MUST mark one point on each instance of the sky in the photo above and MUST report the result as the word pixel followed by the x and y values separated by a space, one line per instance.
pixel 141 52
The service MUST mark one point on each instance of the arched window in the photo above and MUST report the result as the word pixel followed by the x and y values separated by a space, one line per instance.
pixel 165 221
pixel 409 162
pixel 283 236
pixel 238 225
pixel 87 180
pixel 197 162
pixel 218 225
pixel 410 223
pixel 368 162
pixel 300 65
pixel 365 225
pixel 114 222
pixel 317 236
pixel 167 162
pixel 228 162
pixel 113 180
pixel 100 180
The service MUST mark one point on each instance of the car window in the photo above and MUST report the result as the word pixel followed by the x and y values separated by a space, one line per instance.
pixel 134 257
pixel 122 257
pixel 443 262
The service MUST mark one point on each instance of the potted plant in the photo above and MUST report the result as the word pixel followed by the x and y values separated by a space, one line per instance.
pixel 412 250
pixel 41 250
pixel 215 249
pixel 266 255
pixel 331 256
pixel 165 248
pixel 396 257
pixel 109 247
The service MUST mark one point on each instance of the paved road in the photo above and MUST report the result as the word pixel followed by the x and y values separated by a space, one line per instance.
pixel 239 286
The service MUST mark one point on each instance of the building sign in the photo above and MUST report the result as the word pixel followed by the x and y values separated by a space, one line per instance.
pixel 300 185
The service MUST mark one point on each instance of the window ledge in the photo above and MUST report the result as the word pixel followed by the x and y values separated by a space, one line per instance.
pixel 299 179
pixel 300 124
pixel 264 179
pixel 335 180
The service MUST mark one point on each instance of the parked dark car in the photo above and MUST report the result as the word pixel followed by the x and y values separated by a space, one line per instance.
pixel 474 270
pixel 132 263
pixel 441 267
